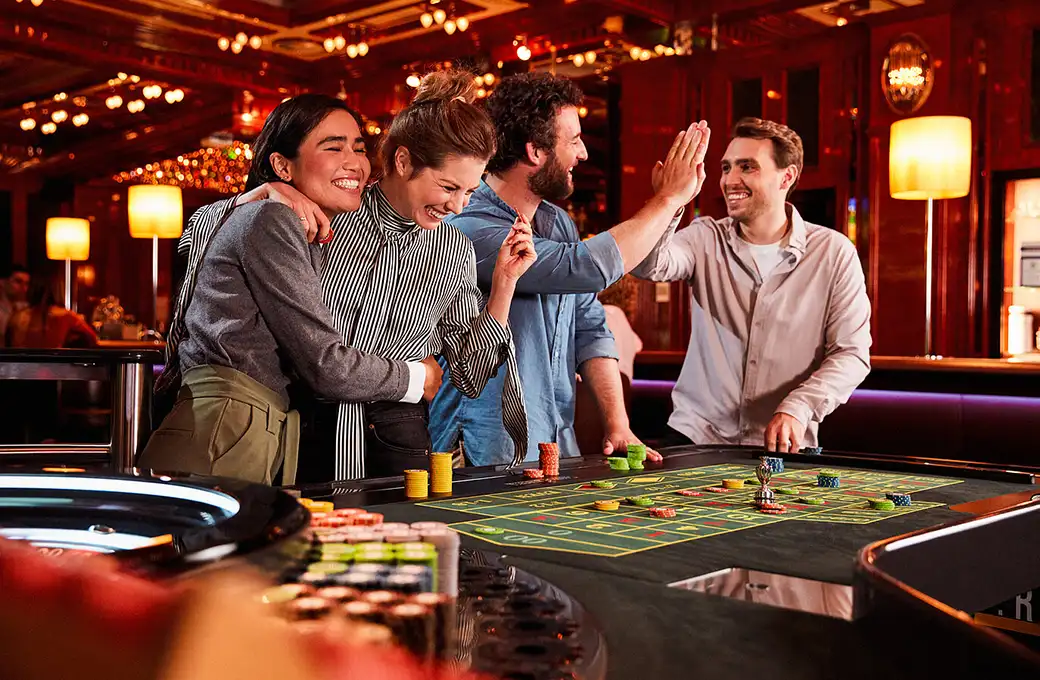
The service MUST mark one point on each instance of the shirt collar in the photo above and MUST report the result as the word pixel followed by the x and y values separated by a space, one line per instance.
pixel 486 195
pixel 796 237
pixel 389 219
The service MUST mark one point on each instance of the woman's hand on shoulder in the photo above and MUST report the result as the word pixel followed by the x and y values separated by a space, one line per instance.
pixel 313 220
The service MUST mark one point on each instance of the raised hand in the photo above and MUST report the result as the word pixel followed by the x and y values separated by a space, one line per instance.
pixel 517 253
pixel 682 173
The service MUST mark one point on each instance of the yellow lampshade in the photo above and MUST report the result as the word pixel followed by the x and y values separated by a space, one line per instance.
pixel 155 210
pixel 930 157
pixel 68 238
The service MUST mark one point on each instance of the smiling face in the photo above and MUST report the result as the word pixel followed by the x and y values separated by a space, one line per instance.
pixel 554 181
pixel 331 166
pixel 434 193
pixel 751 182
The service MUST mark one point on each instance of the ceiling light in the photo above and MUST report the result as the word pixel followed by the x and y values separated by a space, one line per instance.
pixel 114 102
pixel 223 43
pixel 439 15
pixel 236 47
pixel 449 26
pixel 523 52
pixel 329 45
pixel 80 119
pixel 256 42
pixel 462 23
pixel 578 59
pixel 412 80
pixel 426 19
pixel 362 48
pixel 27 124
pixel 241 38
pixel 489 78
pixel 59 116
pixel 340 41
pixel 590 57
pixel 635 52
pixel 352 51
pixel 48 128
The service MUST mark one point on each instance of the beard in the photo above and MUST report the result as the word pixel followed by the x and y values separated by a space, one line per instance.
pixel 551 182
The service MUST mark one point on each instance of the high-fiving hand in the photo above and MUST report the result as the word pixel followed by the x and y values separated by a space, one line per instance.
pixel 682 173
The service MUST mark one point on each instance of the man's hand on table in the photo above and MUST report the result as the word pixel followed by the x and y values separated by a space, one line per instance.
pixel 784 434
pixel 617 438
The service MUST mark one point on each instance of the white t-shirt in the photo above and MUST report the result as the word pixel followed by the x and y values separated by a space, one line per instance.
pixel 767 257
pixel 625 338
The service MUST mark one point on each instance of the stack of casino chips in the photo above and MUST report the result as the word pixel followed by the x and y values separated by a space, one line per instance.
pixel 899 499
pixel 549 458
pixel 381 577
pixel 440 473
pixel 636 456
pixel 776 465
pixel 416 483
pixel 828 479
pixel 881 504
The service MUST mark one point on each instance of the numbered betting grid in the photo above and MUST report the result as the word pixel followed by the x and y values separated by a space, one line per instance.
pixel 563 518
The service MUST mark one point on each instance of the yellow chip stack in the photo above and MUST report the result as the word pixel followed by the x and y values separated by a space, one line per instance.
pixel 733 483
pixel 607 505
pixel 440 472
pixel 321 506
pixel 416 483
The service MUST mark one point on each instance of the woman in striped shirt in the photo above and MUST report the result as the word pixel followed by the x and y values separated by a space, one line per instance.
pixel 402 285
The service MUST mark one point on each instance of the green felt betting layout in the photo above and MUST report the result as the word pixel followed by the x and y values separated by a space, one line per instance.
pixel 563 518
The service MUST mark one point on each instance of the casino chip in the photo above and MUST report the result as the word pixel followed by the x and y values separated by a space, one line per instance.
pixel 688 492
pixel 881 504
pixel 641 501
pixel 812 450
pixel 787 491
pixel 716 489
pixel 662 513
pixel 733 483
pixel 607 505
pixel 814 501
pixel 534 473
pixel 603 484
pixel 773 510
pixel 489 531
pixel 900 499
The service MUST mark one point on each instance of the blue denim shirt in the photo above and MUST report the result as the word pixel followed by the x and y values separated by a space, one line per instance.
pixel 556 321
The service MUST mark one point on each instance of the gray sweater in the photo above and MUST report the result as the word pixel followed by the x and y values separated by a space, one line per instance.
pixel 257 307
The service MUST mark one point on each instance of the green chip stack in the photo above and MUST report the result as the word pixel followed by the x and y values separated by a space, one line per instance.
pixel 881 504
pixel 620 464
pixel 636 456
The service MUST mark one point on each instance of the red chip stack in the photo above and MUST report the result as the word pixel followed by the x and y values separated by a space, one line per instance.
pixel 549 457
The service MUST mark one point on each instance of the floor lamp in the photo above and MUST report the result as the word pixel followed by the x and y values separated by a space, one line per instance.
pixel 68 238
pixel 930 158
pixel 155 212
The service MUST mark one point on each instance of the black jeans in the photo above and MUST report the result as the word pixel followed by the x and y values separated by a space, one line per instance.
pixel 397 438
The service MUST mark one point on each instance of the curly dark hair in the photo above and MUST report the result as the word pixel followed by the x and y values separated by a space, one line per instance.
pixel 523 108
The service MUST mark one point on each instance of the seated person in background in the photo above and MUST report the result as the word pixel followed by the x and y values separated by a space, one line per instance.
pixel 255 312
pixel 780 321
pixel 615 300
pixel 14 289
pixel 47 325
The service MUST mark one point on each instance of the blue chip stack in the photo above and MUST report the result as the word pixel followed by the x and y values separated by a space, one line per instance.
pixel 900 499
pixel 828 481
pixel 775 464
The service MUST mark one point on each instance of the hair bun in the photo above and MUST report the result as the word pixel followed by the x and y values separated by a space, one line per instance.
pixel 444 86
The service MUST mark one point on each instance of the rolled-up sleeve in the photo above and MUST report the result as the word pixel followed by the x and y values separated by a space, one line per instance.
pixel 587 266
pixel 846 361
pixel 592 336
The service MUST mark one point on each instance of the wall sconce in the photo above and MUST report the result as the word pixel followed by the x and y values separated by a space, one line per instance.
pixel 907 75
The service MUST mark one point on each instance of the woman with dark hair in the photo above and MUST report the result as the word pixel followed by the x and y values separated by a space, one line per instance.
pixel 45 324
pixel 250 314
pixel 401 284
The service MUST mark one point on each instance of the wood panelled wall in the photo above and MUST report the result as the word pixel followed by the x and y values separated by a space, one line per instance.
pixel 981 57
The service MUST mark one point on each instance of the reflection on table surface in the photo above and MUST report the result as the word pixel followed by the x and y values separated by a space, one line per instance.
pixel 777 590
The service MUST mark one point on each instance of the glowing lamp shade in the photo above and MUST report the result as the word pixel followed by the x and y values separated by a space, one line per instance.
pixel 930 157
pixel 68 238
pixel 155 211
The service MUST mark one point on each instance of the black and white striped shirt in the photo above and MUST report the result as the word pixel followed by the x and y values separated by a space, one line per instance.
pixel 401 292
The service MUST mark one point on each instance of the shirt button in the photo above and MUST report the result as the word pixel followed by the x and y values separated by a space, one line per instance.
pixel 753 362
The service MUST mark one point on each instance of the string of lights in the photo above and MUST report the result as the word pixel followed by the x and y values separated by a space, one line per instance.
pixel 223 170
